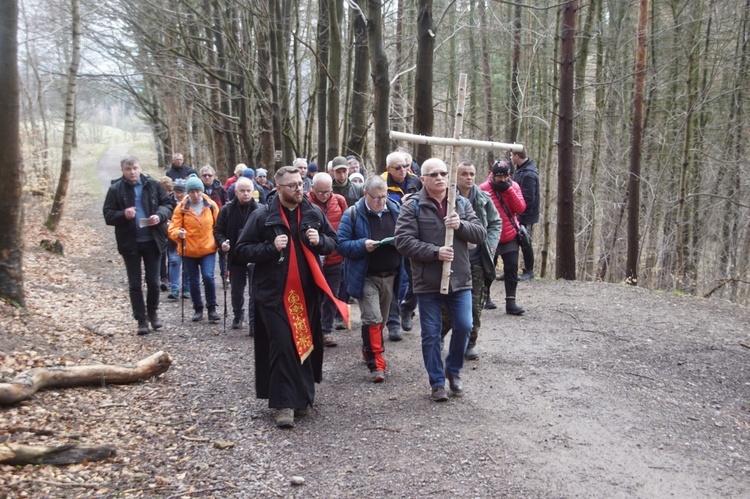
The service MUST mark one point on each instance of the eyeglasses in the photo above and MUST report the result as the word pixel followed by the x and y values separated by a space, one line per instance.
pixel 377 198
pixel 398 168
pixel 502 175
pixel 207 175
pixel 435 174
pixel 295 187
pixel 323 193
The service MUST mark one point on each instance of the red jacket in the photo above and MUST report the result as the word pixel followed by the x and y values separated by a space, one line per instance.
pixel 333 210
pixel 513 199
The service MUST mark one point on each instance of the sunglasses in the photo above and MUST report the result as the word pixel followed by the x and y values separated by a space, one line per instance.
pixel 436 174
pixel 207 175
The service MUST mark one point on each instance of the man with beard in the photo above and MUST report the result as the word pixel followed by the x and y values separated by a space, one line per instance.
pixel 420 236
pixel 286 238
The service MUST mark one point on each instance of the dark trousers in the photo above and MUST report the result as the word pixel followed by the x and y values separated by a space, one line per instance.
pixel 241 277
pixel 151 256
pixel 333 275
pixel 510 266
pixel 528 253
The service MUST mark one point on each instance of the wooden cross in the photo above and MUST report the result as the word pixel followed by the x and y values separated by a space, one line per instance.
pixel 456 142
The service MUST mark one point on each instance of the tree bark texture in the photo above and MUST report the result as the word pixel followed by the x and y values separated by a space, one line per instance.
pixel 515 91
pixel 380 83
pixel 58 204
pixel 334 89
pixel 28 383
pixel 424 115
pixel 360 98
pixel 11 223
pixel 565 265
pixel 322 91
pixel 265 113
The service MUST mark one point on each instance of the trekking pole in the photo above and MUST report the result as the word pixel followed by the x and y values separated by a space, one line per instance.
pixel 182 284
pixel 224 284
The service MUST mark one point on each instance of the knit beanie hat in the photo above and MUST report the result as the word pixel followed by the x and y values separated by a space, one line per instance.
pixel 262 172
pixel 193 182
pixel 501 167
pixel 249 173
pixel 312 167
pixel 180 185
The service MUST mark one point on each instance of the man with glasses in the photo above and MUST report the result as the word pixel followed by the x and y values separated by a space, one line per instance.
pixel 401 181
pixel 213 189
pixel 420 236
pixel 285 239
pixel 373 266
pixel 301 165
pixel 178 169
pixel 333 207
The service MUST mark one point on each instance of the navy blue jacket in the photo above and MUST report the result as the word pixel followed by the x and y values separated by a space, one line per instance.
pixel 527 177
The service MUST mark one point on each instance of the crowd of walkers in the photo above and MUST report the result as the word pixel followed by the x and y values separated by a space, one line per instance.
pixel 296 249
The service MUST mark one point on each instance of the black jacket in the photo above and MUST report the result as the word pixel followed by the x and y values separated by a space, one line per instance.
pixel 256 245
pixel 120 196
pixel 183 172
pixel 527 177
pixel 230 222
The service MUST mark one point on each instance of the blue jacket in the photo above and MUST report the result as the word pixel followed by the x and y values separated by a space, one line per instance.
pixel 352 247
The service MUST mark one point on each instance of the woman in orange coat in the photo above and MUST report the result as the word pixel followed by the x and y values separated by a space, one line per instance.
pixel 192 228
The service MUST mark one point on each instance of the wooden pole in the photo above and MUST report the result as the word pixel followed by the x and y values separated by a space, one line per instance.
pixel 453 176
pixel 444 141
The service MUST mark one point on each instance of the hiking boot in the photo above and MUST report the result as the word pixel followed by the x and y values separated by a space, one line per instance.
pixel 438 394
pixel 489 304
pixel 528 275
pixel 153 318
pixel 213 316
pixel 164 285
pixel 198 315
pixel 329 341
pixel 511 308
pixel 406 320
pixel 378 376
pixel 457 387
pixel 339 324
pixel 143 327
pixel 173 296
pixel 186 295
pixel 237 323
pixel 285 418
pixel 395 334
pixel 471 353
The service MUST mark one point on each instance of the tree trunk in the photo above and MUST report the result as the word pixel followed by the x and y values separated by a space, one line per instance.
pixel 334 89
pixel 485 32
pixel 358 115
pixel 634 193
pixel 265 113
pixel 322 91
pixel 380 83
pixel 11 223
pixel 424 115
pixel 515 91
pixel 28 383
pixel 565 264
pixel 58 204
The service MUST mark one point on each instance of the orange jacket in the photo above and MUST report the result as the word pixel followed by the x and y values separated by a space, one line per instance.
pixel 199 240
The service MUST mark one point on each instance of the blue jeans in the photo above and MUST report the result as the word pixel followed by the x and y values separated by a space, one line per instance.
pixel 175 268
pixel 430 319
pixel 197 267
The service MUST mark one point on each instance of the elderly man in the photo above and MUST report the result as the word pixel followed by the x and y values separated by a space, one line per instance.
pixel 420 236
pixel 178 169
pixel 286 238
pixel 333 206
pixel 373 266
pixel 341 184
pixel 229 224
pixel 139 209
pixel 301 165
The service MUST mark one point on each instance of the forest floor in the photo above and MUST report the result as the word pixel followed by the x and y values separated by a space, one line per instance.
pixel 600 390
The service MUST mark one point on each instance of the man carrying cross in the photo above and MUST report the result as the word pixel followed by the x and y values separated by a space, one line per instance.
pixel 420 236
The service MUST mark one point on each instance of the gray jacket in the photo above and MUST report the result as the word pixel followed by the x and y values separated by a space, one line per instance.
pixel 420 238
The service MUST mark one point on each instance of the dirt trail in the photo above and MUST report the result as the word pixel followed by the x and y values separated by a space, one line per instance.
pixel 600 390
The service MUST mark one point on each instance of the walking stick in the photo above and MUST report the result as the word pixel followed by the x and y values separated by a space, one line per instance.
pixel 224 282
pixel 182 283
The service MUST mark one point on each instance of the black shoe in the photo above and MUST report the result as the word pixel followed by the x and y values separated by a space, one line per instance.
pixel 236 323
pixel 153 318
pixel 511 307
pixel 143 327
pixel 395 334
pixel 213 316
pixel 457 387
pixel 406 320
pixel 172 296
pixel 198 315
pixel 528 275
pixel 438 394
pixel 489 304
pixel 164 286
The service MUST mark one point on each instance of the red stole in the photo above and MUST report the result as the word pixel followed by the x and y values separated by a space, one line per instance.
pixel 294 296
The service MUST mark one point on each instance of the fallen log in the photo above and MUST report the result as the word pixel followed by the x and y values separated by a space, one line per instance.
pixel 18 454
pixel 27 383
